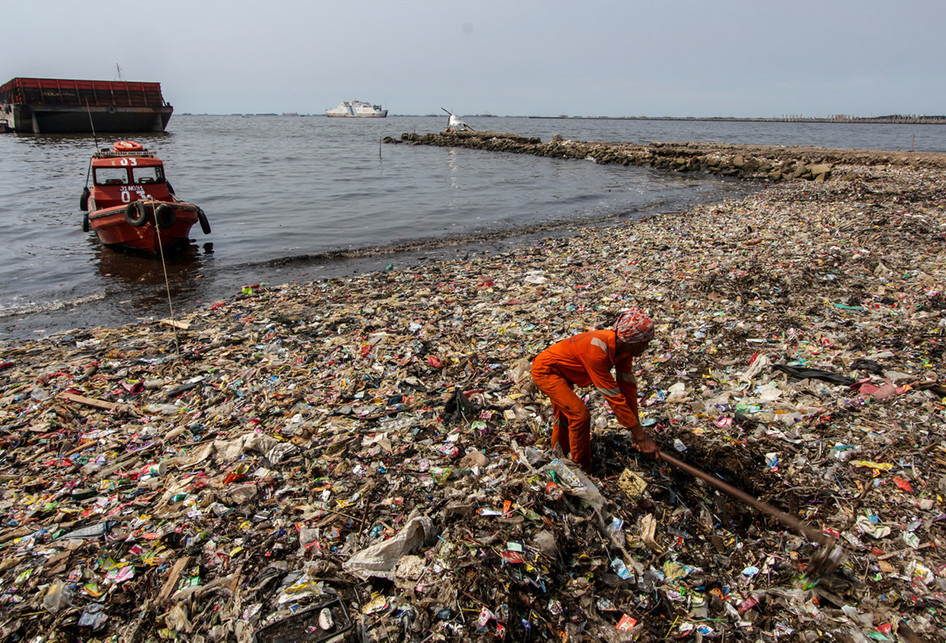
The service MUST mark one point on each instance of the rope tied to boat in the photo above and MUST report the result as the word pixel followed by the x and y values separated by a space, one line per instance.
pixel 164 267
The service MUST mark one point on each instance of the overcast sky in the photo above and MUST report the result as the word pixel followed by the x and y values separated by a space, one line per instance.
pixel 740 58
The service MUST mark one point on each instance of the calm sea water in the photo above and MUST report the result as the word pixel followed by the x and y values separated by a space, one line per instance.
pixel 309 197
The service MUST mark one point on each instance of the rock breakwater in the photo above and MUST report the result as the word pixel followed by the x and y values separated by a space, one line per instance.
pixel 766 162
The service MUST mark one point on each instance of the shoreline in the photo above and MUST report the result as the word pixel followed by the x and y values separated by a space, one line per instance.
pixel 46 318
pixel 298 425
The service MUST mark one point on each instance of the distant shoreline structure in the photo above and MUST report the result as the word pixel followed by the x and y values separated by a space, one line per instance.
pixel 895 119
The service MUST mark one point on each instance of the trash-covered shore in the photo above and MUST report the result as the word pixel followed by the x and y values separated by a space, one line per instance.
pixel 366 458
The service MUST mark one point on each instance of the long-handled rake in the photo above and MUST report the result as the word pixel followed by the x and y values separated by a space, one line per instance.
pixel 823 562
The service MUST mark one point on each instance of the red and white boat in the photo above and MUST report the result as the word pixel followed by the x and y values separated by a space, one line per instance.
pixel 132 205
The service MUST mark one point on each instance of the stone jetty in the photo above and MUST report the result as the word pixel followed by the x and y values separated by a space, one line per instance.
pixel 767 162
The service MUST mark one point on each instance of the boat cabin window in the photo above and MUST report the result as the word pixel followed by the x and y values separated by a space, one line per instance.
pixel 111 176
pixel 148 174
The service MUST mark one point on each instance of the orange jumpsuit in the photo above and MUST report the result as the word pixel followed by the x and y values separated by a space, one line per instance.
pixel 585 360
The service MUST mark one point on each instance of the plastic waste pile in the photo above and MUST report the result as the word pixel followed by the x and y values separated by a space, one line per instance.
pixel 367 459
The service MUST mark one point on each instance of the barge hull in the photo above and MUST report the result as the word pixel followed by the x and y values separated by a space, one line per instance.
pixel 63 120
pixel 45 105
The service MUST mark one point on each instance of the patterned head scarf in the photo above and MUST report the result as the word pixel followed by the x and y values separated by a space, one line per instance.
pixel 634 326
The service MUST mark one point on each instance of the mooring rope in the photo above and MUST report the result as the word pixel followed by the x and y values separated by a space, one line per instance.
pixel 167 283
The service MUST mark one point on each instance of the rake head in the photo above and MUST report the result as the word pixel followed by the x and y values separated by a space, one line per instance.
pixel 824 561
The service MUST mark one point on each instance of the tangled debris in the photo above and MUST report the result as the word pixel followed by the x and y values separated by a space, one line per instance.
pixel 366 458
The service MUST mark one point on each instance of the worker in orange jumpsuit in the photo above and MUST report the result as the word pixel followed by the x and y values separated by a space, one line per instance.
pixel 586 360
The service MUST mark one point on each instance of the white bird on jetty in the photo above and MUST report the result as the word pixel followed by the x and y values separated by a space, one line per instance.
pixel 454 124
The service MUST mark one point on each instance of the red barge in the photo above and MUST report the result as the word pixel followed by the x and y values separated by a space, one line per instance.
pixel 54 105
pixel 132 205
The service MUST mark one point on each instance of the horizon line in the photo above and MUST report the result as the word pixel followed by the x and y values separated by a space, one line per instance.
pixel 905 118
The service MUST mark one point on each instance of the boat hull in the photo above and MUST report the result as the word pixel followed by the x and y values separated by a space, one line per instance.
pixel 112 227
pixel 382 114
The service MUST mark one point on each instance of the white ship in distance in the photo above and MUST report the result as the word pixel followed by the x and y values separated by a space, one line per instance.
pixel 357 109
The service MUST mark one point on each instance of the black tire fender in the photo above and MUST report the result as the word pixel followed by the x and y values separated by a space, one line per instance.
pixel 204 223
pixel 135 214
pixel 84 200
pixel 85 223
pixel 165 216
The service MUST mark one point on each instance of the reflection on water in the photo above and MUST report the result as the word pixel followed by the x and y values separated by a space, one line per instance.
pixel 145 282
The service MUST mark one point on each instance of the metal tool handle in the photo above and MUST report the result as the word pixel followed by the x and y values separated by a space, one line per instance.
pixel 805 530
